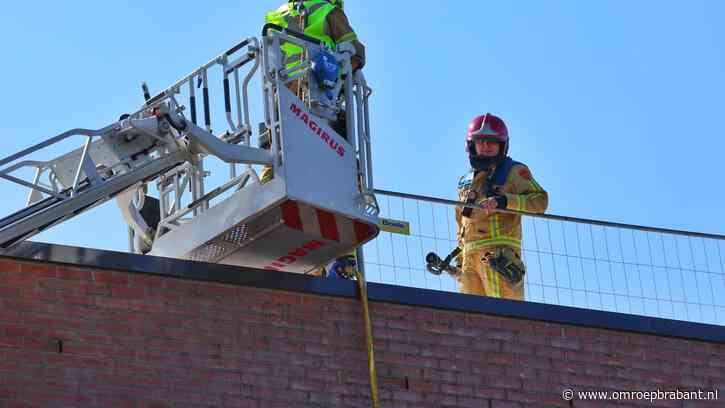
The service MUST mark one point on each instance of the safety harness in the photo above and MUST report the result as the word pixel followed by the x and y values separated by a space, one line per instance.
pixel 491 187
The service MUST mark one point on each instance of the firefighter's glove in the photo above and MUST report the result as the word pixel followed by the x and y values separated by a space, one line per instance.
pixel 492 203
pixel 344 267
pixel 507 263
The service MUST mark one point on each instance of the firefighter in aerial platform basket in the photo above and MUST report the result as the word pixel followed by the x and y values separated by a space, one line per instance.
pixel 489 242
pixel 326 21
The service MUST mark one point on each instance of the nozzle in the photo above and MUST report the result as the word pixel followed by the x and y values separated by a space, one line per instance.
pixel 432 258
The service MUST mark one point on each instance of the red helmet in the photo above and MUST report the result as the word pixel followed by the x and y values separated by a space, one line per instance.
pixel 487 127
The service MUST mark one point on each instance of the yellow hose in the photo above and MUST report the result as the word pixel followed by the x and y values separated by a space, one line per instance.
pixel 368 338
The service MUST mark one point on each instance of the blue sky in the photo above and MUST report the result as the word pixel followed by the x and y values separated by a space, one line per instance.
pixel 615 106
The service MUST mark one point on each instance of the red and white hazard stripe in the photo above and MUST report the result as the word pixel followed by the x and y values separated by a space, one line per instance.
pixel 326 224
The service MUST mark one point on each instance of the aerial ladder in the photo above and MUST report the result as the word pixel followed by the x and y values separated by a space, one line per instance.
pixel 318 205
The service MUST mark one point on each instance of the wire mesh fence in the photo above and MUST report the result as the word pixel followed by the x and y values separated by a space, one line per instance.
pixel 570 262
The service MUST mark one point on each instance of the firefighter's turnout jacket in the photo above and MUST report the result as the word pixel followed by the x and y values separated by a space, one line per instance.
pixel 480 233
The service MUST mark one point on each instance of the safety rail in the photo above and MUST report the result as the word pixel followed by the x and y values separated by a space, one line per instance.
pixel 570 261
pixel 238 129
pixel 55 182
pixel 109 161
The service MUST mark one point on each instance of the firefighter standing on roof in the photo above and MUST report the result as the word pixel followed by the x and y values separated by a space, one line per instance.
pixel 490 261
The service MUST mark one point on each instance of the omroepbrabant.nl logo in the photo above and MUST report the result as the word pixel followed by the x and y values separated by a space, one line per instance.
pixel 646 395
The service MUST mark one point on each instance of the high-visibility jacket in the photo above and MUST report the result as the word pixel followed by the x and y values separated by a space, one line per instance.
pixel 310 20
pixel 318 19
pixel 480 230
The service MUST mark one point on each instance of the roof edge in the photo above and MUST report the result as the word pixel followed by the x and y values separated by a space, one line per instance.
pixel 259 278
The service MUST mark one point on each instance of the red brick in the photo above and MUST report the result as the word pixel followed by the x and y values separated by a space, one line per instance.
pixel 549 352
pixel 484 322
pixel 517 348
pixel 76 300
pixel 147 281
pixel 323 398
pixel 9 265
pixel 39 269
pixel 415 337
pixel 629 350
pixel 437 400
pixel 65 272
pixel 451 341
pixel 8 393
pixel 392 382
pixel 487 345
pixel 435 327
pixel 464 402
pixel 551 329
pixel 389 334
pixel 285 298
pixel 112 303
pixel 110 278
pixel 566 343
pixel 412 397
pixel 423 386
pixel 500 335
pixel 137 340
pixel 475 333
pixel 489 393
pixel 437 352
pixel 503 382
pixel 7 292
pixel 216 290
pixel 122 292
pixel 457 389
pixel 17 279
pixel 433 374
pixel 154 404
pixel 504 404
pixel 402 324
pixel 527 398
pixel 694 358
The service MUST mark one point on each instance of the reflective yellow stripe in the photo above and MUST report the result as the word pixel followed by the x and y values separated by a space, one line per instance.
pixel 497 283
pixel 519 203
pixel 491 280
pixel 535 186
pixel 347 37
pixel 484 243
pixel 317 11
pixel 536 196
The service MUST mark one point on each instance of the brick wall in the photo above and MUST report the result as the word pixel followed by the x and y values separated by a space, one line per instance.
pixel 85 337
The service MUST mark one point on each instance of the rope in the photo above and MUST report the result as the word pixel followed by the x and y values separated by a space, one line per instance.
pixel 362 286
